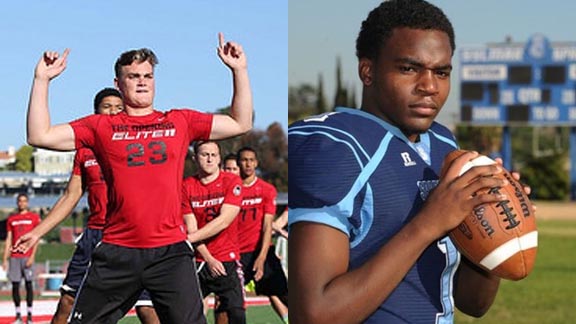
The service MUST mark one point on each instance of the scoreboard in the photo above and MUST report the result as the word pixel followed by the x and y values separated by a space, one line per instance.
pixel 512 83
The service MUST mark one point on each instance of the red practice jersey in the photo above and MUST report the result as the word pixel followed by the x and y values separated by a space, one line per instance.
pixel 86 166
pixel 142 159
pixel 20 224
pixel 205 201
pixel 258 199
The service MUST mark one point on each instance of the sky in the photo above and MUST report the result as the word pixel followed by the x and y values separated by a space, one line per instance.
pixel 322 30
pixel 183 34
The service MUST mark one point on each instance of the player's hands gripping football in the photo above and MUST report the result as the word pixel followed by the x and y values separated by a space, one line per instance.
pixel 516 177
pixel 455 196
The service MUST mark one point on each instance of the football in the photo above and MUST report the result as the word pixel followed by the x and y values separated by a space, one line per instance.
pixel 500 237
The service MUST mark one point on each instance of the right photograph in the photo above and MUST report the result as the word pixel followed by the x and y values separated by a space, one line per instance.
pixel 431 163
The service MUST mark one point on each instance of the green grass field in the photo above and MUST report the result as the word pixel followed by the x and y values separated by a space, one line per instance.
pixel 254 315
pixel 547 296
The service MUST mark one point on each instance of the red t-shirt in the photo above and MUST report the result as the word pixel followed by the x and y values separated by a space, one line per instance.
pixel 86 166
pixel 142 159
pixel 205 201
pixel 258 198
pixel 20 224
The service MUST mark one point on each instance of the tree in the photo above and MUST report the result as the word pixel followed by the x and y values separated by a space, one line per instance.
pixel 341 95
pixel 485 140
pixel 274 157
pixel 547 176
pixel 24 159
pixel 352 100
pixel 302 100
pixel 320 101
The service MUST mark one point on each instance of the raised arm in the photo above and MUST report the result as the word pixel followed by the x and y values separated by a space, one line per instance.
pixel 39 130
pixel 240 119
pixel 61 209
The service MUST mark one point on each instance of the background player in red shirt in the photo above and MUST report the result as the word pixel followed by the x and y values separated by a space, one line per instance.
pixel 20 264
pixel 210 203
pixel 259 261
pixel 230 164
pixel 141 153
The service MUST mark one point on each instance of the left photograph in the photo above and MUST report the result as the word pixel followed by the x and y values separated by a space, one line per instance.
pixel 144 163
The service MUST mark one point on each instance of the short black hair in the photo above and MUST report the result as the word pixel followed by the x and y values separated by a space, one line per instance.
pixel 229 156
pixel 106 92
pixel 138 55
pixel 381 21
pixel 22 194
pixel 245 149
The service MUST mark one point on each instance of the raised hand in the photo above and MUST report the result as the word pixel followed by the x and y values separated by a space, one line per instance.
pixel 231 54
pixel 51 64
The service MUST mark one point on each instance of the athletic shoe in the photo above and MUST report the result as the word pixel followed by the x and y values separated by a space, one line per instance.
pixel 250 287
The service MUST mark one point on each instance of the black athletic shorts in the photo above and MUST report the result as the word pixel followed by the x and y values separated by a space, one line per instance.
pixel 228 288
pixel 273 282
pixel 117 276
pixel 78 265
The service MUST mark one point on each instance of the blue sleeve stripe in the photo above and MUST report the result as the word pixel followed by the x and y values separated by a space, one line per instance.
pixel 444 139
pixel 347 202
pixel 346 205
pixel 325 215
pixel 366 216
pixel 337 215
pixel 332 137
pixel 301 131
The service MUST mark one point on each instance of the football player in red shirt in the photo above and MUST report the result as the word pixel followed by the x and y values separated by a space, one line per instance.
pixel 86 177
pixel 259 260
pixel 20 264
pixel 141 152
pixel 210 203
pixel 230 164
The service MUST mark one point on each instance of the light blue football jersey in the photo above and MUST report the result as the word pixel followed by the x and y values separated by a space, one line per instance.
pixel 353 171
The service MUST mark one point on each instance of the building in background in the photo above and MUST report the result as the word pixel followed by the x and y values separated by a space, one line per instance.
pixel 50 163
pixel 7 157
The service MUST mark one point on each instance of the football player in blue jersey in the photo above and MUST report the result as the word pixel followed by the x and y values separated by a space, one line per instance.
pixel 368 211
